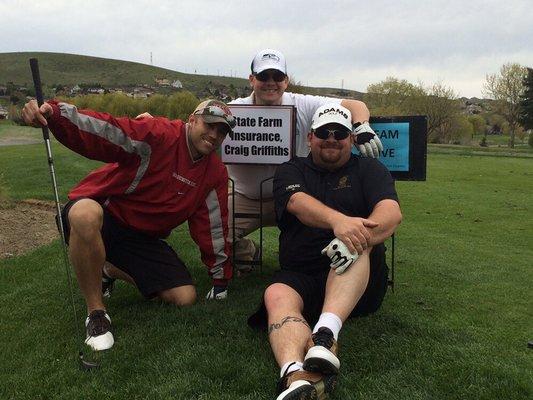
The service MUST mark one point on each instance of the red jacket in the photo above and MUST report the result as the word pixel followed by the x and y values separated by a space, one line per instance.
pixel 150 183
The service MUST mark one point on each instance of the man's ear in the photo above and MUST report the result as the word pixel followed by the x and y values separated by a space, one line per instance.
pixel 251 80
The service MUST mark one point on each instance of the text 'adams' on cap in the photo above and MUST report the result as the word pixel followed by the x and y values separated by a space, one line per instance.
pixel 332 114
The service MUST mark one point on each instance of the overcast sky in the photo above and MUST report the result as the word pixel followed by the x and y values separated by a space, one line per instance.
pixel 326 43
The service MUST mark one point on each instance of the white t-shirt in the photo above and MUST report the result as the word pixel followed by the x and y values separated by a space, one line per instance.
pixel 248 177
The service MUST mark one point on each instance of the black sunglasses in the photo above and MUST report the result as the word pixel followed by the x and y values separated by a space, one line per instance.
pixel 264 76
pixel 338 134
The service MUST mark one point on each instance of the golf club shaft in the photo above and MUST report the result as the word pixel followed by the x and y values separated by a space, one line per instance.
pixel 34 65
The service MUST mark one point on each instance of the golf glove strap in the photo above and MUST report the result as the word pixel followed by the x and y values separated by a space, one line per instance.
pixel 217 293
pixel 340 256
pixel 367 141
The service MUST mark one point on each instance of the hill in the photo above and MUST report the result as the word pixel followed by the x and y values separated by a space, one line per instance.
pixel 71 69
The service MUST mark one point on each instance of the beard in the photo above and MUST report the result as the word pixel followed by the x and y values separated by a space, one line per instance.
pixel 330 153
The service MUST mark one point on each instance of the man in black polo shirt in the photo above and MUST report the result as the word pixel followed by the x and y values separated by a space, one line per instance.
pixel 334 210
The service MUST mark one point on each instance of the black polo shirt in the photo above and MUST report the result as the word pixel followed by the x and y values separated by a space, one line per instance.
pixel 353 190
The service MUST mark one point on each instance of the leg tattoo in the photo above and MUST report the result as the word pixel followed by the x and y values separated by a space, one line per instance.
pixel 278 325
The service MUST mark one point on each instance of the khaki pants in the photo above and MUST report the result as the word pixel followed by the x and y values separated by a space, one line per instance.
pixel 245 247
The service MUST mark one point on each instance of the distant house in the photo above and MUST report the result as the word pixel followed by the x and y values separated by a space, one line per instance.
pixel 95 90
pixel 4 114
pixel 75 90
pixel 142 93
pixel 162 82
pixel 177 84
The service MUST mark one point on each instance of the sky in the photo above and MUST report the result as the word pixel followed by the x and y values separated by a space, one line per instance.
pixel 349 44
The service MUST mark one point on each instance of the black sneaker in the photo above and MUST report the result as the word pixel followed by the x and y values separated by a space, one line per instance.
pixel 99 336
pixel 108 284
pixel 321 353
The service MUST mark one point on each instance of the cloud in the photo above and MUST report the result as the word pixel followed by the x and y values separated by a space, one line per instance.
pixel 326 43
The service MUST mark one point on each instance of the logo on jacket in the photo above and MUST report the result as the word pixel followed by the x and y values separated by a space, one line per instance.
pixel 292 188
pixel 184 180
pixel 343 183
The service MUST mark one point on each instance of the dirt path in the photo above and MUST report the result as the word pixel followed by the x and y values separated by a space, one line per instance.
pixel 26 226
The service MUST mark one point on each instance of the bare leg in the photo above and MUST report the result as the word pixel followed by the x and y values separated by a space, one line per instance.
pixel 344 291
pixel 244 247
pixel 87 251
pixel 179 296
pixel 288 330
pixel 117 273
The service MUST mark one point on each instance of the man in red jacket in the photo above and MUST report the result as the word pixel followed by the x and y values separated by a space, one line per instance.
pixel 159 174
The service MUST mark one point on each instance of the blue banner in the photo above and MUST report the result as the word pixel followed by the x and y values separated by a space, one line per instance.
pixel 395 139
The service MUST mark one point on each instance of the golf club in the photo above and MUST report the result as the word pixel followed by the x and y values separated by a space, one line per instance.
pixel 34 65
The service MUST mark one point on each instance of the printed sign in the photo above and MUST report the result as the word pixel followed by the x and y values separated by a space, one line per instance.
pixel 262 135
pixel 395 140
pixel 404 145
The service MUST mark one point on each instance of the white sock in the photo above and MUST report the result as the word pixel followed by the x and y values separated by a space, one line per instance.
pixel 289 367
pixel 331 321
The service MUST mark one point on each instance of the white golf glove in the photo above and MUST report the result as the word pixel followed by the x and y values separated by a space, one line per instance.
pixel 217 293
pixel 340 256
pixel 367 141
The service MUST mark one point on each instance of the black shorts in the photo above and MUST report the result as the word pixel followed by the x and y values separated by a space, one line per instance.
pixel 312 290
pixel 151 262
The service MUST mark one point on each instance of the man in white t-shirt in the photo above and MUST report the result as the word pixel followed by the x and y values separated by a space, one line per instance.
pixel 269 81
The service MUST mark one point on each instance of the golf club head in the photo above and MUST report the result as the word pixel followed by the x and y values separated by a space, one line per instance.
pixel 89 365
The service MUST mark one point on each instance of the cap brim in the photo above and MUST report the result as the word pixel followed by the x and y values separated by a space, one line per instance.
pixel 269 66
pixel 213 119
pixel 339 124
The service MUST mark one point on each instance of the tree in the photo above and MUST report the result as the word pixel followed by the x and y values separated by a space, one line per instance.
pixel 393 96
pixel 478 124
pixel 526 101
pixel 442 108
pixel 295 86
pixel 399 97
pixel 506 88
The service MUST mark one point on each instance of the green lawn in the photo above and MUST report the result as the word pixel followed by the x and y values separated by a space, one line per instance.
pixel 456 327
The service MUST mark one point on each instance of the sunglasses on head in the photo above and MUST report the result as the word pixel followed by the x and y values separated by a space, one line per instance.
pixel 219 112
pixel 264 76
pixel 338 134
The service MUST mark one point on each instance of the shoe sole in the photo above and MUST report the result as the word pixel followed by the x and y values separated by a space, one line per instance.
pixel 320 359
pixel 303 392
pixel 101 342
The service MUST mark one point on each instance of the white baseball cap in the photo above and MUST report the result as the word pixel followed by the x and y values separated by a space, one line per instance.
pixel 332 113
pixel 269 59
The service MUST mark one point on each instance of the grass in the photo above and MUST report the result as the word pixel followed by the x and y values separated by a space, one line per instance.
pixel 455 328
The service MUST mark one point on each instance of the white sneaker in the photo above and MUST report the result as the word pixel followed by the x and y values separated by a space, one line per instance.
pixel 99 336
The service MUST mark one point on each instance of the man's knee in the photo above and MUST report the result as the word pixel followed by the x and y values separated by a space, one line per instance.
pixel 280 295
pixel 179 296
pixel 85 218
